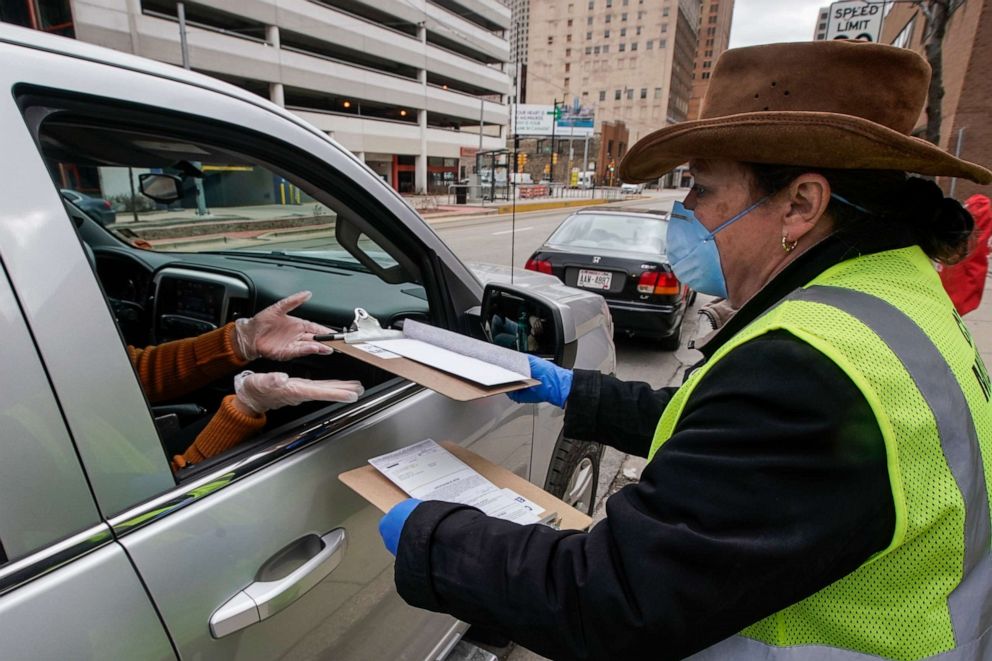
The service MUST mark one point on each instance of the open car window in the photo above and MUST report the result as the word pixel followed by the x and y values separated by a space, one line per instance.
pixel 208 234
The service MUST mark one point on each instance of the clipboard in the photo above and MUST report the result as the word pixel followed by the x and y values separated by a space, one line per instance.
pixel 437 380
pixel 374 487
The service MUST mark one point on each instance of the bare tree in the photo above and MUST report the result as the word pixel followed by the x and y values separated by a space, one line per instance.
pixel 936 13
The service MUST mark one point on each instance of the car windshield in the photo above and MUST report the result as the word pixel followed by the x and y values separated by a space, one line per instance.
pixel 225 201
pixel 612 231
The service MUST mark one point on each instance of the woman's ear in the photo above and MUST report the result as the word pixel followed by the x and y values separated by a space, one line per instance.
pixel 809 196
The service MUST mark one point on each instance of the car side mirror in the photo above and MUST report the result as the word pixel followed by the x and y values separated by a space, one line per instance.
pixel 164 188
pixel 523 322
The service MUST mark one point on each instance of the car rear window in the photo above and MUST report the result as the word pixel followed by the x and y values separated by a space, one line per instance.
pixel 612 231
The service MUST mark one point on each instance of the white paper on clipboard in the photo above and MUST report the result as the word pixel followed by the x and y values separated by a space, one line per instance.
pixel 466 367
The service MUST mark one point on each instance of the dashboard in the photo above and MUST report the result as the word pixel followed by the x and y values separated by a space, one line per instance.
pixel 182 295
pixel 190 302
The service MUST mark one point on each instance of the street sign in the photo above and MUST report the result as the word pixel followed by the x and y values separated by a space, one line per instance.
pixel 858 20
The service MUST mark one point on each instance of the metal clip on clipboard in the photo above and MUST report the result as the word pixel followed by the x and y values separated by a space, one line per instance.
pixel 367 329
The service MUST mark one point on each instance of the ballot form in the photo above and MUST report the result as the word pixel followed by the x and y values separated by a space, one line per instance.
pixel 427 471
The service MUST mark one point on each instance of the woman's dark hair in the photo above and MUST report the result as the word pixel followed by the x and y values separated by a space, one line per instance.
pixel 889 201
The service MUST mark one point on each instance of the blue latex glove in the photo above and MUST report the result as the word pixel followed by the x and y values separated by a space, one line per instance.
pixel 391 525
pixel 555 384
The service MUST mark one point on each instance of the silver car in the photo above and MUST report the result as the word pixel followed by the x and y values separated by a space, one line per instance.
pixel 226 203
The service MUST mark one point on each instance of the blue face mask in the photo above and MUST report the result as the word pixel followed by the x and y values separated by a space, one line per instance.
pixel 692 250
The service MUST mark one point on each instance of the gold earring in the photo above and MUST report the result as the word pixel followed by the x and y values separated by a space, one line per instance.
pixel 788 246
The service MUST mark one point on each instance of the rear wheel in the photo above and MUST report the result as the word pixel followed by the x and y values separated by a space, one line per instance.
pixel 574 473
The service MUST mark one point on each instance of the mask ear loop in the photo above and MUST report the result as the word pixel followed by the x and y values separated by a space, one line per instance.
pixel 851 204
pixel 733 220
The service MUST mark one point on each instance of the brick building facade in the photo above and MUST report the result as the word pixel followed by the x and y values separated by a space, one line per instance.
pixel 714 37
pixel 966 125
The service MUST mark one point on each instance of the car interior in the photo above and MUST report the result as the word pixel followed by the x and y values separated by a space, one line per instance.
pixel 243 233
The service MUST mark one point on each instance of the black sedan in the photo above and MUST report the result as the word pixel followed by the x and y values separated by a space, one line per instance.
pixel 620 253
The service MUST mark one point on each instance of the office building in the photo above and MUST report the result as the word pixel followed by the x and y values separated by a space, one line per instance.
pixel 630 60
pixel 822 20
pixel 402 84
pixel 966 124
pixel 714 36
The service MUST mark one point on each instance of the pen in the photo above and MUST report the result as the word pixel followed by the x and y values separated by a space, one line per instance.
pixel 327 337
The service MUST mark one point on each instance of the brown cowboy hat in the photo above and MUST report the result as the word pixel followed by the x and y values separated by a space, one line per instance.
pixel 829 104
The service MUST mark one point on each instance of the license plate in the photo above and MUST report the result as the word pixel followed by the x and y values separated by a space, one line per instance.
pixel 594 279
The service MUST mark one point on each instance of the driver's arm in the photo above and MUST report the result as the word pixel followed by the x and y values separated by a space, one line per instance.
pixel 173 369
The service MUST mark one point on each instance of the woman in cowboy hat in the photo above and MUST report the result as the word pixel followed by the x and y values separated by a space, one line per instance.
pixel 818 486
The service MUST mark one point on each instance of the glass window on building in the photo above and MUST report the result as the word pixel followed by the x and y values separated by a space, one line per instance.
pixel 657 92
pixel 602 95
pixel 644 92
pixel 633 46
pixel 630 93
pixel 617 94
pixel 623 47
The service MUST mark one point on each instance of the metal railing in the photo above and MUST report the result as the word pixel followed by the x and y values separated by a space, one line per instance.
pixel 486 192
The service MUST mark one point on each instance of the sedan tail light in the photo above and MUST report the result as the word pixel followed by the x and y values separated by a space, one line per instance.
pixel 660 283
pixel 106 204
pixel 539 265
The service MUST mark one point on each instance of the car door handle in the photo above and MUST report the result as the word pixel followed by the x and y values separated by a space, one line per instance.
pixel 264 598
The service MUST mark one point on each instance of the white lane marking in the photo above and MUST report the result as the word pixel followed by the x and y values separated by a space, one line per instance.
pixel 519 229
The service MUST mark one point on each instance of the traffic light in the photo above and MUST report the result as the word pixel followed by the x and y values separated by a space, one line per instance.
pixel 521 161
pixel 554 158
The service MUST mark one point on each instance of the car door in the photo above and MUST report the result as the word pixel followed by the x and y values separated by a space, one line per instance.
pixel 63 578
pixel 275 525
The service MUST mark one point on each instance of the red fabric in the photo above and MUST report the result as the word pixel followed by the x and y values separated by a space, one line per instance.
pixel 965 281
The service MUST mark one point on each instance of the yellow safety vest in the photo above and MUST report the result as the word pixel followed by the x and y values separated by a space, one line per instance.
pixel 885 320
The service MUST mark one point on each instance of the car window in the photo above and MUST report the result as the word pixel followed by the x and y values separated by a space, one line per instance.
pixel 210 233
pixel 612 231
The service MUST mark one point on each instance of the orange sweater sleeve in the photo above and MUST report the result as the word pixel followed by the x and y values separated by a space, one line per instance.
pixel 170 370
pixel 226 429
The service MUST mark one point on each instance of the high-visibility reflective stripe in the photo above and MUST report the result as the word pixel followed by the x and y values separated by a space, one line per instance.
pixel 969 604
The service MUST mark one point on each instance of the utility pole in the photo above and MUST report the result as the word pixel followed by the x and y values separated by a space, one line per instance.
pixel 184 49
pixel 554 123
pixel 201 198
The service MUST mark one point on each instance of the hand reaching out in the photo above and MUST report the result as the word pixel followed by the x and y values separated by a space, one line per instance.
pixel 275 335
pixel 272 390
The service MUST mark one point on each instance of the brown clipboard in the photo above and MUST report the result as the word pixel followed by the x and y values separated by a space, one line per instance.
pixel 374 487
pixel 437 380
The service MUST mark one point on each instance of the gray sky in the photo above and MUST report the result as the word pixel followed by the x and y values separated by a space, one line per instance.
pixel 770 21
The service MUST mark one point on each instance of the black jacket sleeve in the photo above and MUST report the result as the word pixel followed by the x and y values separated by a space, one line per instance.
pixel 621 414
pixel 773 486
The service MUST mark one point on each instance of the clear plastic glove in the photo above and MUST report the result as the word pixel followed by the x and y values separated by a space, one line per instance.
pixel 273 334
pixel 391 525
pixel 555 384
pixel 271 390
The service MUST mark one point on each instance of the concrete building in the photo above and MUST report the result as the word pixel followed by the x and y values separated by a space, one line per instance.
pixel 631 60
pixel 714 37
pixel 822 21
pixel 401 84
pixel 966 124
pixel 519 30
